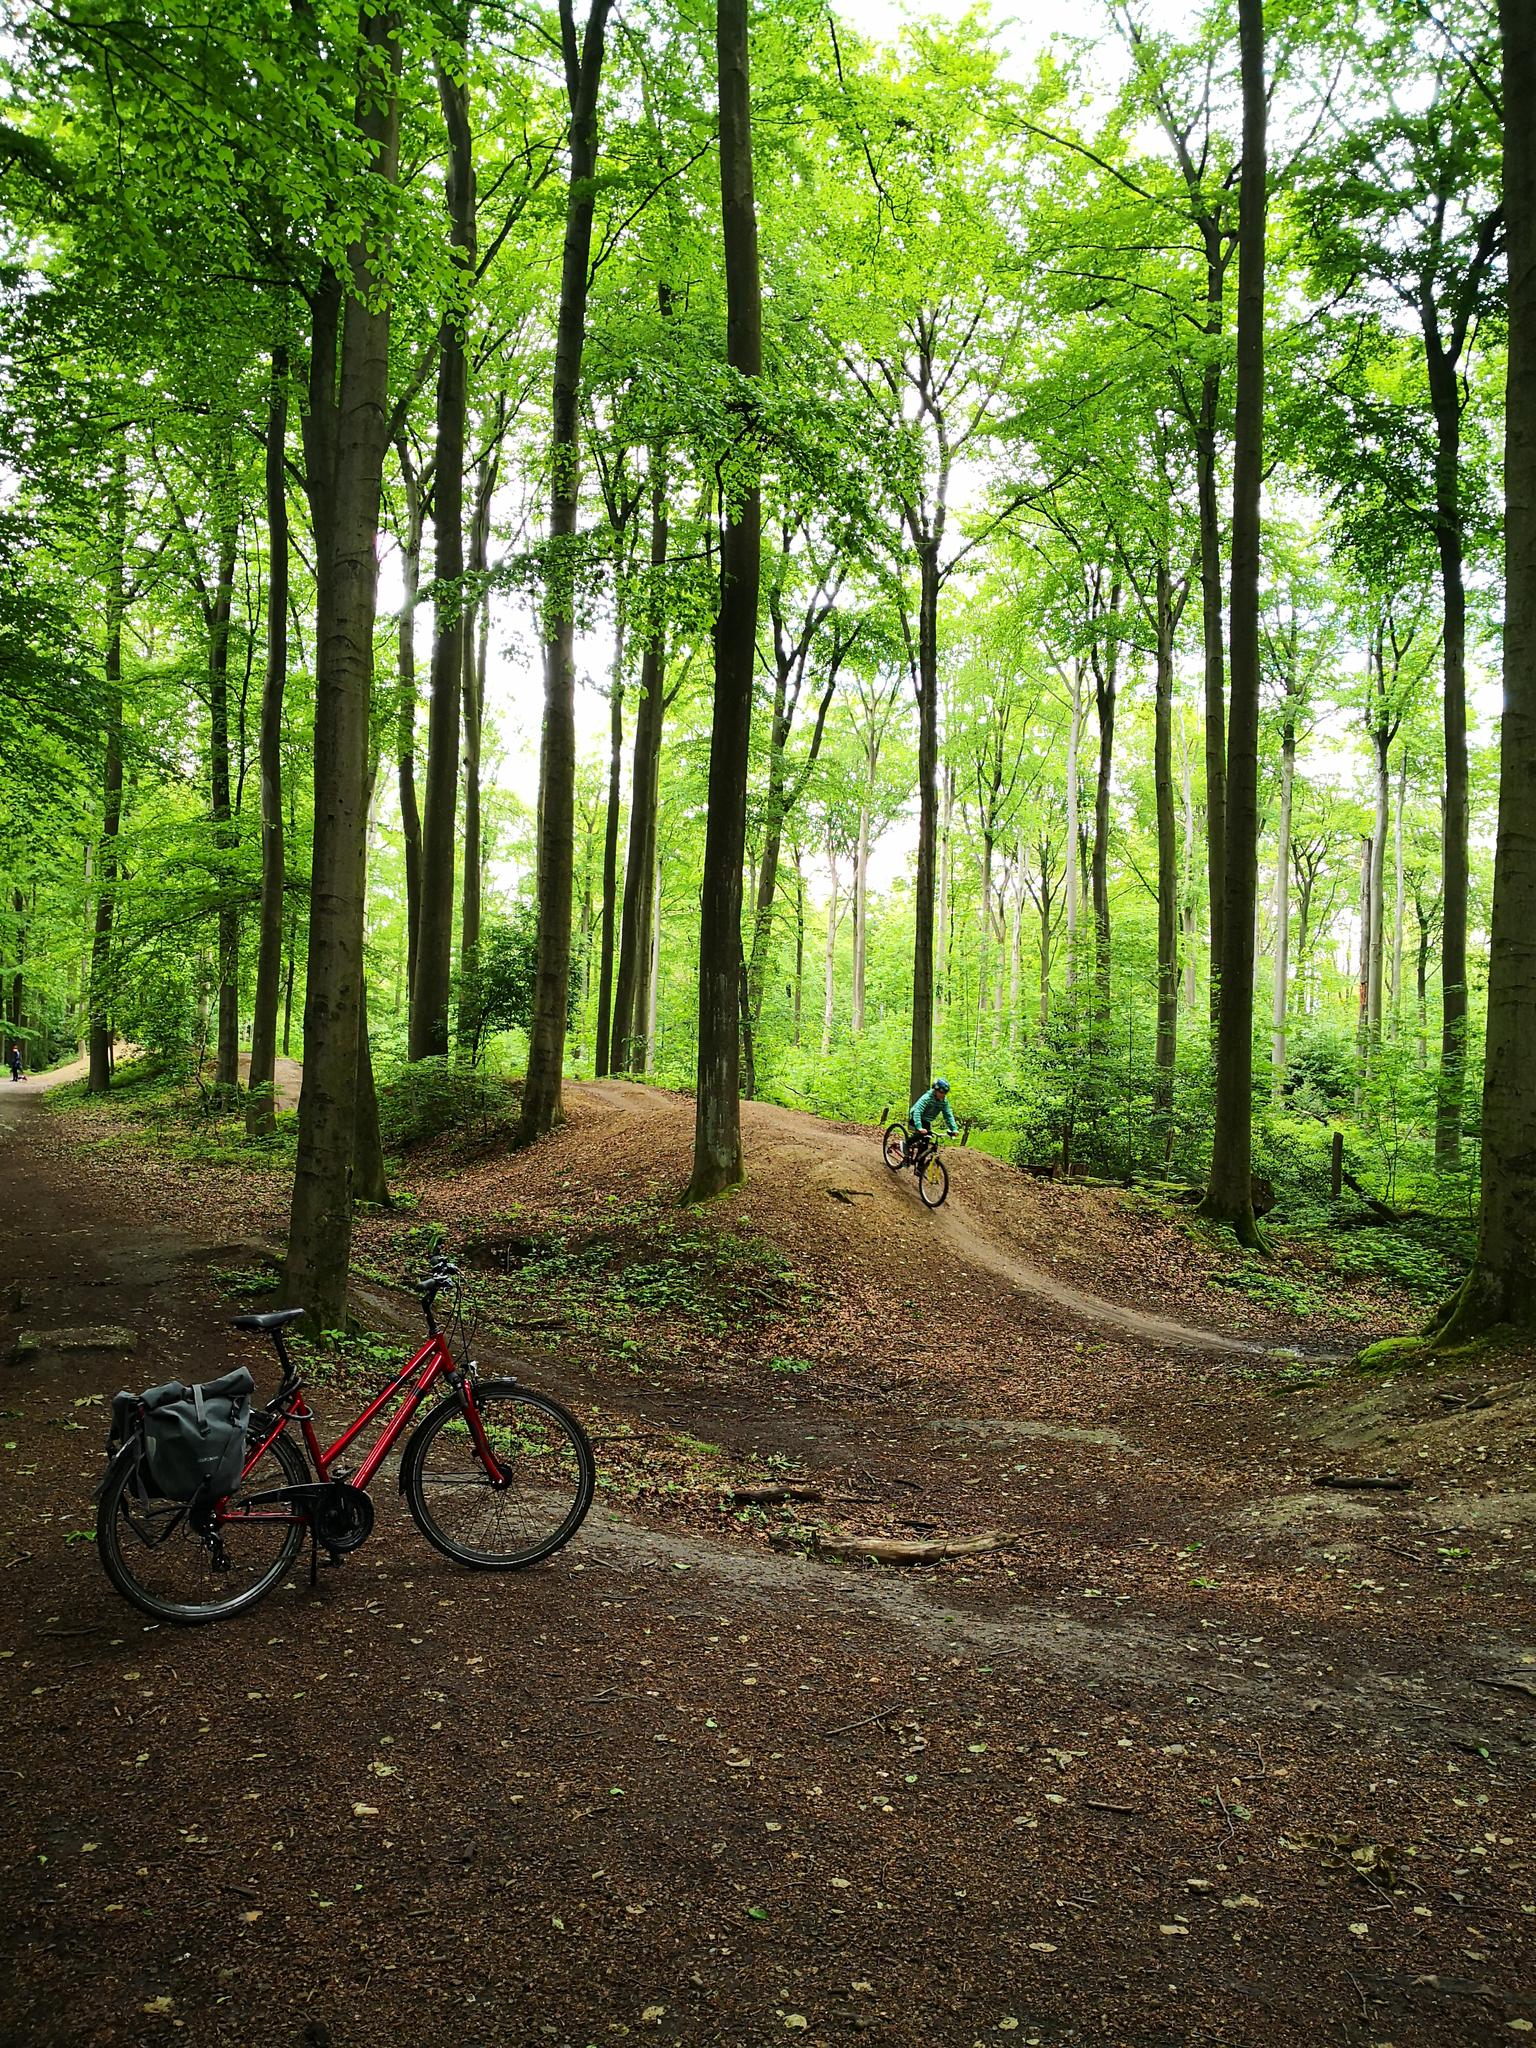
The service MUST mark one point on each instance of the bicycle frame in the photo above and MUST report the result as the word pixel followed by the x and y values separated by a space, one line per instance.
pixel 429 1364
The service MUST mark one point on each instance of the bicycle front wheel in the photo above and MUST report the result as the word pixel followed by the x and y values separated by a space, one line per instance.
pixel 535 1501
pixel 933 1180
pixel 895 1146
pixel 176 1564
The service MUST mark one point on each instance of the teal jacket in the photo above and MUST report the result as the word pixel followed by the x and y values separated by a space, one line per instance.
pixel 928 1108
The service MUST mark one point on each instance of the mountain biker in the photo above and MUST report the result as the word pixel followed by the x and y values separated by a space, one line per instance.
pixel 927 1110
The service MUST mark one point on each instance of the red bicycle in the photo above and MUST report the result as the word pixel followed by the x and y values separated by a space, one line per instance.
pixel 496 1476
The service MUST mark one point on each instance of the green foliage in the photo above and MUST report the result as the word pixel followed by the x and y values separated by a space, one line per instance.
pixel 429 1099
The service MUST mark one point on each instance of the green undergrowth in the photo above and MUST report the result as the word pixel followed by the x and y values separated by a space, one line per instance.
pixel 159 1102
pixel 430 1099
pixel 641 1281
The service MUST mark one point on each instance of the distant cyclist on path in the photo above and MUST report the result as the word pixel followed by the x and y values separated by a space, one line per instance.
pixel 927 1110
pixel 13 1061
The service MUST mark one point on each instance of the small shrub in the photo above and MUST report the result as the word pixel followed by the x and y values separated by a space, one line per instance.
pixel 431 1097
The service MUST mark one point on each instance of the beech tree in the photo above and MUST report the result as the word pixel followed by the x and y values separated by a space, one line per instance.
pixel 717 1160
pixel 1501 1287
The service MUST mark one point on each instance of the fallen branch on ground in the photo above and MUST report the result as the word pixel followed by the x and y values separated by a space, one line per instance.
pixel 761 1496
pixel 1381 1482
pixel 899 1550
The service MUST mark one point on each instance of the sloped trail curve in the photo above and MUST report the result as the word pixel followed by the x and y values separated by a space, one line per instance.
pixel 833 1159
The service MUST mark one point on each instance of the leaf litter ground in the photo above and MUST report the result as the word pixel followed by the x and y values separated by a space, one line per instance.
pixel 1209 1753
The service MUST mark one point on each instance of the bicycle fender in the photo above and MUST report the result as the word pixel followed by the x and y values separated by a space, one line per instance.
pixel 120 1456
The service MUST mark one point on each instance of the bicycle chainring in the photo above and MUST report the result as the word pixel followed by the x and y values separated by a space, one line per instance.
pixel 344 1517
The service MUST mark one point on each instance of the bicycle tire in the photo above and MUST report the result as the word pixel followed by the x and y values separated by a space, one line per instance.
pixel 439 1467
pixel 933 1182
pixel 115 1519
pixel 893 1148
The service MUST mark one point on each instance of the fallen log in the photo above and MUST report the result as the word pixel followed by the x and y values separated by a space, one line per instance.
pixel 903 1550
pixel 1380 1482
pixel 762 1496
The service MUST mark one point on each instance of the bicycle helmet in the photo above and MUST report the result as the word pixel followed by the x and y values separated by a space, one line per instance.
pixel 942 1086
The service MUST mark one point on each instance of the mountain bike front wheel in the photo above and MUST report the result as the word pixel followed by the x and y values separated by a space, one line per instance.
pixel 933 1180
pixel 175 1565
pixel 535 1501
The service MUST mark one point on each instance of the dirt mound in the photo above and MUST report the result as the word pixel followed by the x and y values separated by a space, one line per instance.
pixel 821 1189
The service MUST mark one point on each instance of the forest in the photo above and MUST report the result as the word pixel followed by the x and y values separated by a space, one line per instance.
pixel 781 553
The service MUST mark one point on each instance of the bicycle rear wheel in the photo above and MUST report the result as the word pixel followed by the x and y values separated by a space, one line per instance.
pixel 539 1500
pixel 894 1148
pixel 175 1565
pixel 933 1180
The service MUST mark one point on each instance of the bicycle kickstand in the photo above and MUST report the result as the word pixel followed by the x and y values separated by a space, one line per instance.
pixel 333 1558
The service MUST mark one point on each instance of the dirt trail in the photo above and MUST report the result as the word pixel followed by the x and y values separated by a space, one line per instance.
pixel 832 1158
pixel 676 1786
pixel 288 1078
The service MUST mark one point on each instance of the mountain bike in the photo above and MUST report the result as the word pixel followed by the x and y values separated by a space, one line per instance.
pixel 902 1146
pixel 496 1477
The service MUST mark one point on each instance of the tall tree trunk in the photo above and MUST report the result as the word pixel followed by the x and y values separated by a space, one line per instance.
pixel 557 766
pixel 717 1162
pixel 260 1107
pixel 829 971
pixel 1167 861
pixel 1446 398
pixel 477 634
pixel 861 902
pixel 799 991
pixel 601 1059
pixel 451 625
pixel 368 1182
pixel 227 1067
pixel 292 951
pixel 100 1032
pixel 1421 978
pixel 1501 1287
pixel 405 708
pixel 652 991
pixel 1045 937
pixel 1229 1197
pixel 345 438
pixel 1376 964
pixel 1399 890
pixel 1211 624
pixel 923 977
pixel 1016 967
pixel 631 997
pixel 1074 878
pixel 1106 675
pixel 1279 1006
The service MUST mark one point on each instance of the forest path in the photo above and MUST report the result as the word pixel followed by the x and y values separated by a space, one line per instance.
pixel 288 1078
pixel 676 1784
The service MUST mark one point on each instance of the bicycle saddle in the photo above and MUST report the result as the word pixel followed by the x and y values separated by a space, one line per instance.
pixel 274 1319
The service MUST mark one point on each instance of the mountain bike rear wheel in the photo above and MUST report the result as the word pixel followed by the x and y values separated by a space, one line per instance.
pixel 894 1147
pixel 175 1565
pixel 933 1180
pixel 538 1502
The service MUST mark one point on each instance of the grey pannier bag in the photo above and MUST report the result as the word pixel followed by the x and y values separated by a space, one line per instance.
pixel 194 1437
